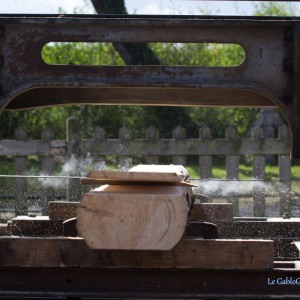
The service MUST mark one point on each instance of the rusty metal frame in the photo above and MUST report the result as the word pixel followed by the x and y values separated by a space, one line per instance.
pixel 268 77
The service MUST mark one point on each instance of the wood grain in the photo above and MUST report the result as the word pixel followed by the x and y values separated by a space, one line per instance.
pixel 192 254
pixel 124 181
pixel 133 217
pixel 135 176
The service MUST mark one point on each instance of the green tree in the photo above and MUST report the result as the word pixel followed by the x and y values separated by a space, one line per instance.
pixel 81 54
pixel 274 9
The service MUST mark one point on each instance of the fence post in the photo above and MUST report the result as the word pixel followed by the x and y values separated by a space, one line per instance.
pixel 205 161
pixel 47 169
pixel 73 159
pixel 284 163
pixel 258 169
pixel 21 195
pixel 179 133
pixel 152 135
pixel 232 168
pixel 99 136
pixel 125 135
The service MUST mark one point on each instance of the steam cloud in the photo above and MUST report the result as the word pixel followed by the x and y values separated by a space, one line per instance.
pixel 74 168
pixel 225 188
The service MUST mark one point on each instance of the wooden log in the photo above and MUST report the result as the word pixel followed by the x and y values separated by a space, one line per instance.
pixel 188 254
pixel 133 217
pixel 144 174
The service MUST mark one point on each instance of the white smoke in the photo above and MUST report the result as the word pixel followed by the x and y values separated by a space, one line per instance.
pixel 225 188
pixel 75 167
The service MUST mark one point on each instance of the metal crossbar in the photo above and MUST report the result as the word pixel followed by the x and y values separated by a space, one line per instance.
pixel 267 78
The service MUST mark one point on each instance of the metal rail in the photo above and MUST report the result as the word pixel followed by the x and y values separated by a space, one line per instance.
pixel 95 283
pixel 268 77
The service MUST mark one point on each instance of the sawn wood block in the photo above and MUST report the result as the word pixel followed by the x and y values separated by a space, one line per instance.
pixel 191 254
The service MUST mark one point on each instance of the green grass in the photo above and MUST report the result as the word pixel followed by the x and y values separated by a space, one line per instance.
pixel 219 171
pixel 245 172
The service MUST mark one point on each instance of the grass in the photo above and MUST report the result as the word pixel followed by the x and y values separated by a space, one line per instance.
pixel 219 171
pixel 245 172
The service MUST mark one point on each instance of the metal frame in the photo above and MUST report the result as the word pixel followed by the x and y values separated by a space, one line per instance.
pixel 268 76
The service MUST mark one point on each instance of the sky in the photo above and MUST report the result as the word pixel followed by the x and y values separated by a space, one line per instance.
pixel 135 6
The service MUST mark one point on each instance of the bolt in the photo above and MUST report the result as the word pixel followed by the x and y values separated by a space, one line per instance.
pixel 286 216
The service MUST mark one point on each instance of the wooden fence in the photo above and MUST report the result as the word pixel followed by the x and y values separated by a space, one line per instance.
pixel 150 150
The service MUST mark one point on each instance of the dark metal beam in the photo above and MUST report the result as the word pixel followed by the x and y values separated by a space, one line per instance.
pixel 150 283
pixel 267 77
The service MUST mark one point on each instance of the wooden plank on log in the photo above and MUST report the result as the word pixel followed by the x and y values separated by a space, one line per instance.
pixel 135 176
pixel 98 181
pixel 133 217
pixel 192 254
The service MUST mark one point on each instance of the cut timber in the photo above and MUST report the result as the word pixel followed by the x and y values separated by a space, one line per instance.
pixel 141 175
pixel 146 208
pixel 35 226
pixel 98 181
pixel 188 254
pixel 135 176
pixel 133 217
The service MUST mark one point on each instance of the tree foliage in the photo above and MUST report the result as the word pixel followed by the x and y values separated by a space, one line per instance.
pixel 274 9
pixel 81 54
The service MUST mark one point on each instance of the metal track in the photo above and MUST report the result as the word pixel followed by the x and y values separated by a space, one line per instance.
pixel 95 283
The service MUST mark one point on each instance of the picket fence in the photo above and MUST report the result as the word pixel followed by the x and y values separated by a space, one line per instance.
pixel 150 150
